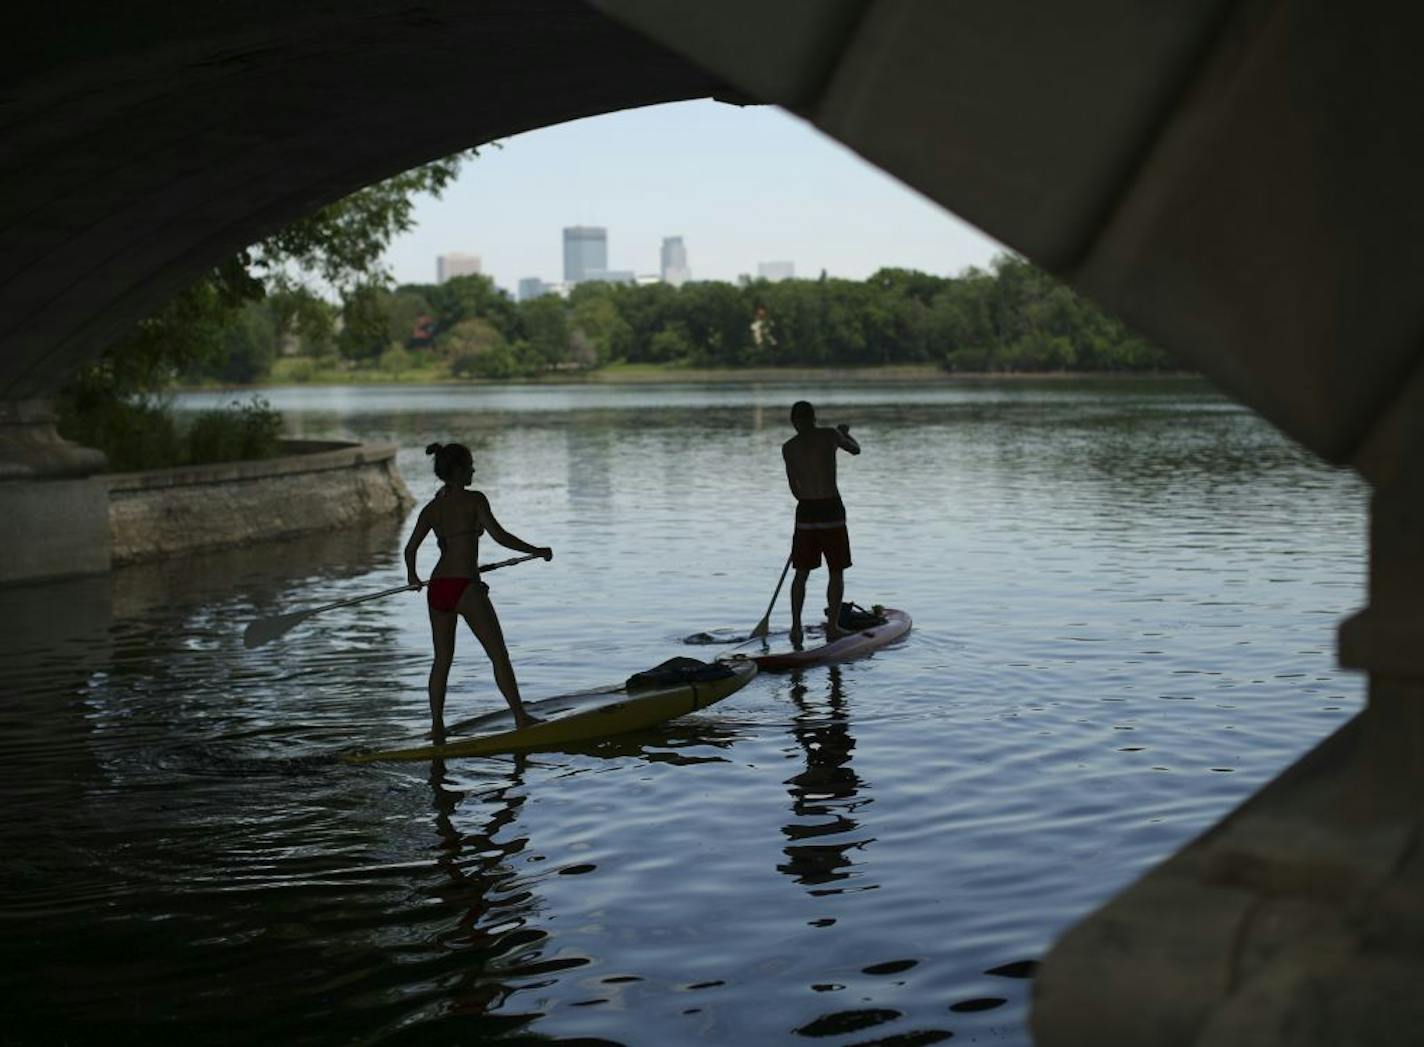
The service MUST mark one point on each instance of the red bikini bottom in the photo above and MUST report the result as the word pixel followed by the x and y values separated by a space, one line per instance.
pixel 443 594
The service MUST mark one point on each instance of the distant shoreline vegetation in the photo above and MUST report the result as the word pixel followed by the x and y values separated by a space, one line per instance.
pixel 1012 319
pixel 670 374
pixel 258 318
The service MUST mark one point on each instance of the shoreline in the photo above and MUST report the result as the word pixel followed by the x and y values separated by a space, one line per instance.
pixel 640 374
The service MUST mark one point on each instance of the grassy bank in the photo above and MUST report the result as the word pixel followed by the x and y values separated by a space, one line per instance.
pixel 301 371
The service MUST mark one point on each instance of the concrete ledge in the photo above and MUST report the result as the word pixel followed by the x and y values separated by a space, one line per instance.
pixel 321 487
pixel 53 529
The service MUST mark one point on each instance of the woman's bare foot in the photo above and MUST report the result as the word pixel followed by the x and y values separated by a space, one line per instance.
pixel 796 636
pixel 523 719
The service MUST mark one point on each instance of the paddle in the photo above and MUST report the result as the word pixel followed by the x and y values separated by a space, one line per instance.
pixel 763 626
pixel 264 630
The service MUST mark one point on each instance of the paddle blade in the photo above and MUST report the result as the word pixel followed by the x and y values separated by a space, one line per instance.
pixel 762 628
pixel 264 630
pixel 717 636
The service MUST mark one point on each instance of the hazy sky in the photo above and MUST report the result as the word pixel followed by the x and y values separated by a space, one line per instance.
pixel 741 186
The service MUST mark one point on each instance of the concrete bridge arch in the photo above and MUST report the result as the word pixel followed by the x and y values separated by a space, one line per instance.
pixel 1238 180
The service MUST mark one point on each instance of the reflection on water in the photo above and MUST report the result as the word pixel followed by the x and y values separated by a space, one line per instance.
pixel 1124 599
pixel 824 796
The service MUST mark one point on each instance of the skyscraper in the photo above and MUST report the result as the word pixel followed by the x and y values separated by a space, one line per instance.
pixel 775 271
pixel 531 287
pixel 585 250
pixel 674 262
pixel 455 264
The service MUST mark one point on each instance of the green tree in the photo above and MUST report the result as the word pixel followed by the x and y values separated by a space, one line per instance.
pixel 598 334
pixel 546 326
pixel 249 345
pixel 466 298
pixel 341 246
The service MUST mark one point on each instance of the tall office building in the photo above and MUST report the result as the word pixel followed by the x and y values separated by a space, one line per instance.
pixel 585 251
pixel 532 287
pixel 774 271
pixel 455 264
pixel 674 262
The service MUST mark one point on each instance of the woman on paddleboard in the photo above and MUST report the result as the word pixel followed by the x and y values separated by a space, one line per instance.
pixel 458 517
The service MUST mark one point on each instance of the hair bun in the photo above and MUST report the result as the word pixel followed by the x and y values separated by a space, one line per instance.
pixel 433 448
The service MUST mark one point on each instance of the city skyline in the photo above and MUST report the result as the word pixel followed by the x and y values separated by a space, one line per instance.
pixel 585 254
pixel 739 185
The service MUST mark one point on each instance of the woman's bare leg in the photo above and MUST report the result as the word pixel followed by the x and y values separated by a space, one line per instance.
pixel 479 612
pixel 442 635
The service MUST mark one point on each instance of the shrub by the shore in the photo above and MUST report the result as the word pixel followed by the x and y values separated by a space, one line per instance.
pixel 146 434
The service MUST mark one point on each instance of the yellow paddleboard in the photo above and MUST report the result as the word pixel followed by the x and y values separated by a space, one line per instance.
pixel 588 715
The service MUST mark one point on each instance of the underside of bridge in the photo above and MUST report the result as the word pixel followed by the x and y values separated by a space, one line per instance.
pixel 1238 180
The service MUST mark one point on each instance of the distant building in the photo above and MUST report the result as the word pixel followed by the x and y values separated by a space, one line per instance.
pixel 456 264
pixel 585 251
pixel 609 276
pixel 533 287
pixel 422 332
pixel 648 278
pixel 674 262
pixel 774 271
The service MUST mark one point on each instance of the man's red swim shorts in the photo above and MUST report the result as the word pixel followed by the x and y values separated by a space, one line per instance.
pixel 820 531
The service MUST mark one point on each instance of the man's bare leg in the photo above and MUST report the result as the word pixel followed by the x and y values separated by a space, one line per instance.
pixel 798 601
pixel 835 589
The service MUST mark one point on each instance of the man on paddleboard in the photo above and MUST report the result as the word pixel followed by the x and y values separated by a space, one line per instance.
pixel 810 458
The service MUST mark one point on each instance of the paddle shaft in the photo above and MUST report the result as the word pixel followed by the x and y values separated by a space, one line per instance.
pixel 408 588
pixel 257 631
pixel 765 623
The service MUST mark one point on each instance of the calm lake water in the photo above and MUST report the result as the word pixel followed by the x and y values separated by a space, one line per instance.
pixel 1124 593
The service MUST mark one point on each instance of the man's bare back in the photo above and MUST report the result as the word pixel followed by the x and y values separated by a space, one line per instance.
pixel 811 463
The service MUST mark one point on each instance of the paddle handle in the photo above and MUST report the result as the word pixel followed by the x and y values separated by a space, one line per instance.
pixel 510 561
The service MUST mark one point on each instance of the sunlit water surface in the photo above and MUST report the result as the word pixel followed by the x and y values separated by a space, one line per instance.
pixel 1124 598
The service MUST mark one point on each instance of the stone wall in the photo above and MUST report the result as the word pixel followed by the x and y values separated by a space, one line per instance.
pixel 320 486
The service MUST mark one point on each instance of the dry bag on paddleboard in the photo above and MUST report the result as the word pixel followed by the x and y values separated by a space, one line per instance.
pixel 677 671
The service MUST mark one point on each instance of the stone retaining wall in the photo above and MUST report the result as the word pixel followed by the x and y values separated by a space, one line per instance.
pixel 320 486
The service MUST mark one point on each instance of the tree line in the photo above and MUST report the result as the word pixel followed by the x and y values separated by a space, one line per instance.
pixel 1012 317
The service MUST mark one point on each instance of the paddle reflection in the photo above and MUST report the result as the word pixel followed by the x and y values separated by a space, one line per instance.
pixel 826 795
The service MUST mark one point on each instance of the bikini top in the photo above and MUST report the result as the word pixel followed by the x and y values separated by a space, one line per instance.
pixel 440 538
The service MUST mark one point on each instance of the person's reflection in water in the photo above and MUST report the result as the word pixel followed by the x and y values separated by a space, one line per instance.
pixel 810 458
pixel 826 795
pixel 477 866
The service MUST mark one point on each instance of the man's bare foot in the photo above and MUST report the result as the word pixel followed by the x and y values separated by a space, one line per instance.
pixel 833 633
pixel 523 720
pixel 796 635
pixel 437 733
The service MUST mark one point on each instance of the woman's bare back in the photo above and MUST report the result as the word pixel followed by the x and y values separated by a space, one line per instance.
pixel 458 520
